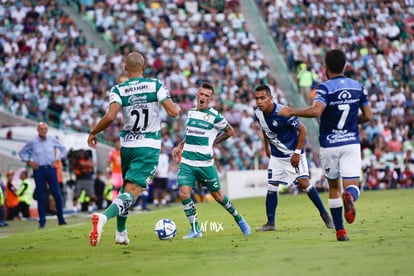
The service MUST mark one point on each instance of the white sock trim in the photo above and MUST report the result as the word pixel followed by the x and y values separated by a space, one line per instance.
pixel 272 188
pixel 335 202
pixel 307 189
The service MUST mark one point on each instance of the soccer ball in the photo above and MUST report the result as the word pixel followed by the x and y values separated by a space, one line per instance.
pixel 165 229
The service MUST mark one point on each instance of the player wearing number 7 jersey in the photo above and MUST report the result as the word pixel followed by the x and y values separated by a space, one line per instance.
pixel 139 100
pixel 337 103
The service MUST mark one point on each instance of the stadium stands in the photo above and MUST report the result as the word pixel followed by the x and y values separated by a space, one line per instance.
pixel 50 72
pixel 378 38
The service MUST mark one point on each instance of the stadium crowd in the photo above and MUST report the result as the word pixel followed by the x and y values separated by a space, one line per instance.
pixel 378 38
pixel 49 72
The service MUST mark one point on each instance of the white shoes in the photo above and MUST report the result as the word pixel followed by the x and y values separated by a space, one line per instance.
pixel 98 222
pixel 121 237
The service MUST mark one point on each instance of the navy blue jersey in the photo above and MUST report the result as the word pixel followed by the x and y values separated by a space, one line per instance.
pixel 342 98
pixel 282 131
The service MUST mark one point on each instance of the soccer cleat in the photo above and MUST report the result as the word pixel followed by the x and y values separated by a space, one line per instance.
pixel 244 227
pixel 121 238
pixel 98 222
pixel 349 208
pixel 341 235
pixel 193 235
pixel 266 227
pixel 328 220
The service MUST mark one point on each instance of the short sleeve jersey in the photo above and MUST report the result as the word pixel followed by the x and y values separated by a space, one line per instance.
pixel 140 99
pixel 281 131
pixel 202 127
pixel 342 97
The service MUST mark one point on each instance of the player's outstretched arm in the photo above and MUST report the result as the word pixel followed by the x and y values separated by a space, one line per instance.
pixel 315 110
pixel 227 133
pixel 172 108
pixel 366 114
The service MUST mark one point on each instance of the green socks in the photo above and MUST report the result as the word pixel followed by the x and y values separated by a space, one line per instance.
pixel 119 208
pixel 191 213
pixel 229 206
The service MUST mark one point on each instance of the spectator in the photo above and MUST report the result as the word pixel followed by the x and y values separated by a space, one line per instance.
pixel 108 192
pixel 141 202
pixel 25 196
pixel 407 177
pixel 161 179
pixel 2 204
pixel 84 170
pixel 372 181
pixel 306 78
pixel 40 154
pixel 60 53
pixel 114 166
pixel 394 144
pixel 12 200
pixel 408 157
pixel 321 184
pixel 390 177
pixel 372 130
pixel 99 188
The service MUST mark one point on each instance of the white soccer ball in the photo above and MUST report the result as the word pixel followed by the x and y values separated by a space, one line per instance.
pixel 165 229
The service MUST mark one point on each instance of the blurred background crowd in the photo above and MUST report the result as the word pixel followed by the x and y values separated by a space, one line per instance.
pixel 51 70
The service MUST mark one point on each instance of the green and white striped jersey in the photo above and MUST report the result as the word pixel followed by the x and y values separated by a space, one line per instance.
pixel 201 131
pixel 140 99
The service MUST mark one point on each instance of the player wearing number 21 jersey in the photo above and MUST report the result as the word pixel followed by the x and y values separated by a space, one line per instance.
pixel 139 100
pixel 337 103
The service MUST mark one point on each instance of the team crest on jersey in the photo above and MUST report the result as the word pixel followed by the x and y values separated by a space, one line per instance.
pixel 344 95
pixel 206 117
pixel 274 123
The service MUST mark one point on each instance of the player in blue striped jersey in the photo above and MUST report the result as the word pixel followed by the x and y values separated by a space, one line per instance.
pixel 337 103
pixel 284 139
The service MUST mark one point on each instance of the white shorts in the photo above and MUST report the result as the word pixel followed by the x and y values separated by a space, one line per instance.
pixel 280 171
pixel 343 161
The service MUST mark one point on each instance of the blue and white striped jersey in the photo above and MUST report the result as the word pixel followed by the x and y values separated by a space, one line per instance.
pixel 342 98
pixel 281 131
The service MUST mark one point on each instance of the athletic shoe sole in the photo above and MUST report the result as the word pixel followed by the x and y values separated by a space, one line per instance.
pixel 244 227
pixel 349 208
pixel 94 236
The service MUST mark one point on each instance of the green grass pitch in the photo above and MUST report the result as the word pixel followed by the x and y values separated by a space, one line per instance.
pixel 381 242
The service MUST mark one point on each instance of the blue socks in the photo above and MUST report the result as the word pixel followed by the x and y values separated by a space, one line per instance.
pixel 354 191
pixel 316 199
pixel 271 204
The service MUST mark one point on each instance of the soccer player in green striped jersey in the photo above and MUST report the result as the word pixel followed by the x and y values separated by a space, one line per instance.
pixel 139 100
pixel 197 160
